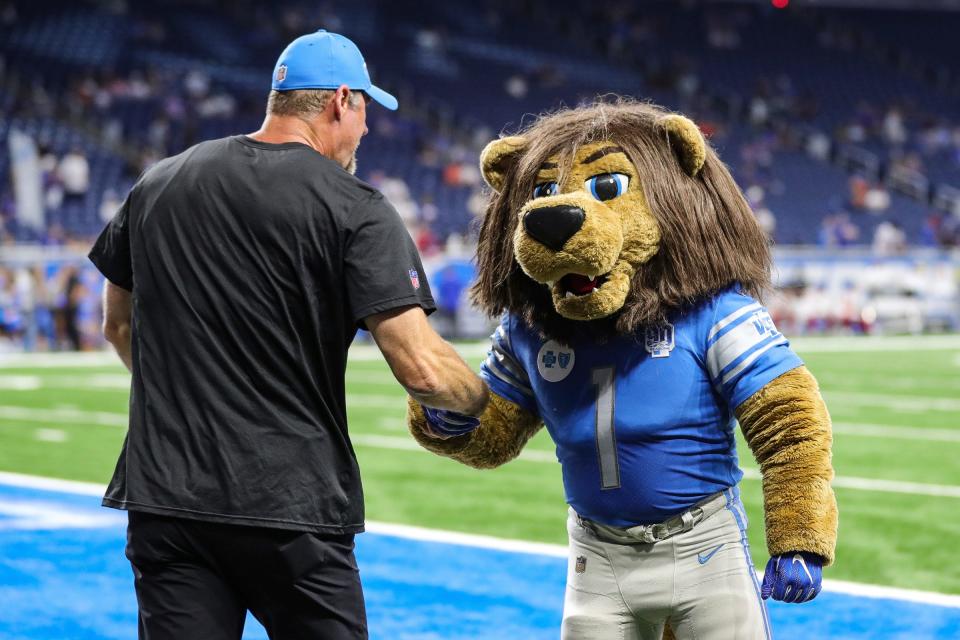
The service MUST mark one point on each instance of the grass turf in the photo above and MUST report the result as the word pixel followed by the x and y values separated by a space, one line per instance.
pixel 67 422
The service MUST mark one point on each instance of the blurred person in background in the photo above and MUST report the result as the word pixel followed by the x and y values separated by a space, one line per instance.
pixel 889 239
pixel 69 300
pixel 74 174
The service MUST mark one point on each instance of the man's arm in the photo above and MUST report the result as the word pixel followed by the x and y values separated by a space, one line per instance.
pixel 428 367
pixel 117 307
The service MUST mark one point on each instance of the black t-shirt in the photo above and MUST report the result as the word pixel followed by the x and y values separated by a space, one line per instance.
pixel 251 267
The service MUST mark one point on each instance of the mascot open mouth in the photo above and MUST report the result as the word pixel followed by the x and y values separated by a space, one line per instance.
pixel 577 285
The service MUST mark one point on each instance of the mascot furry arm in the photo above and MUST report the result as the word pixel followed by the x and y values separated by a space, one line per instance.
pixel 786 423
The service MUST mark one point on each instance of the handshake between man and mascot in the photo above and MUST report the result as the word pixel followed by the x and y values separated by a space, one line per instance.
pixel 626 268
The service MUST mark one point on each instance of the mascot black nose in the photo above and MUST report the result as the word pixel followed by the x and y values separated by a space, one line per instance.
pixel 553 226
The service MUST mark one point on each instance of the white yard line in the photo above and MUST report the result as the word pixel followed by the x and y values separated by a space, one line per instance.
pixel 379 378
pixel 404 443
pixel 31 414
pixel 896 433
pixel 20 383
pixel 502 544
pixel 401 443
pixel 892 401
pixel 61 359
pixel 366 352
pixel 883 486
pixel 121 382
pixel 875 344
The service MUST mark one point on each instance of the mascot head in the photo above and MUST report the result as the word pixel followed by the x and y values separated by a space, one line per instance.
pixel 609 217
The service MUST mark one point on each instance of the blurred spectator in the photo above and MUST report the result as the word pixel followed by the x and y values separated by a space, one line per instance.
pixel 877 198
pixel 397 192
pixel 516 87
pixel 74 173
pixel 426 241
pixel 894 131
pixel 818 146
pixel 69 299
pixel 859 187
pixel 109 205
pixel 889 239
pixel 766 219
pixel 838 230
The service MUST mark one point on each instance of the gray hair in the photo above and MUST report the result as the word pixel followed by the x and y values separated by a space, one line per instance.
pixel 304 103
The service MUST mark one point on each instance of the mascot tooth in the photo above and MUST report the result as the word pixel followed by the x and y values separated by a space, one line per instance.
pixel 627 271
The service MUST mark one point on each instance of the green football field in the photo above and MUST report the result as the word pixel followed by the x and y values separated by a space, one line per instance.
pixel 895 404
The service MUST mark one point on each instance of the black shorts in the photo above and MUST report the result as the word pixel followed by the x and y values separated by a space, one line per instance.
pixel 196 580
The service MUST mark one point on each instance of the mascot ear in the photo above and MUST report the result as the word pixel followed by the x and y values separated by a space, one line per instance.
pixel 687 142
pixel 496 158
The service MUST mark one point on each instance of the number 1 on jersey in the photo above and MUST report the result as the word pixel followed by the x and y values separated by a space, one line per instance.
pixel 603 379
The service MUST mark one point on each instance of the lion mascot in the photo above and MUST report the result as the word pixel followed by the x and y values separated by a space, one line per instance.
pixel 627 269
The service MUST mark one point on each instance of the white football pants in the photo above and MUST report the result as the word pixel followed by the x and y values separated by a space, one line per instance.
pixel 701 581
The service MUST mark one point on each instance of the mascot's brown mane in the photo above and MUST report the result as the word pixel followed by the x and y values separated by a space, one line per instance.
pixel 709 237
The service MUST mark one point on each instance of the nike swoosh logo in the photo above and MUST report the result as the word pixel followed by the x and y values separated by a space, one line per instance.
pixel 799 558
pixel 705 558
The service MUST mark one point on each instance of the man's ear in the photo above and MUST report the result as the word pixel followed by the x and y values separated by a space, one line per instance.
pixel 687 142
pixel 497 157
pixel 341 100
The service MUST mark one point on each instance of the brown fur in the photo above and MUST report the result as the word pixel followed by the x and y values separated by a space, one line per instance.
pixel 709 237
pixel 788 429
pixel 505 430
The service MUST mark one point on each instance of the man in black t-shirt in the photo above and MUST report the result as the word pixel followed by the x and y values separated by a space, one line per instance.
pixel 238 273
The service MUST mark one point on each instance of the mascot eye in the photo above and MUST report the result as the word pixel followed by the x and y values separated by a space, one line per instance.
pixel 545 189
pixel 607 186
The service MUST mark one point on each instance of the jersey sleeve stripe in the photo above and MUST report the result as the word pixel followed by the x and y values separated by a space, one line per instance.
pixel 730 319
pixel 500 336
pixel 732 344
pixel 746 362
pixel 491 368
pixel 498 355
pixel 747 352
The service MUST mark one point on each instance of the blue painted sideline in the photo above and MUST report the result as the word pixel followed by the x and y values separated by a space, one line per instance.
pixel 63 576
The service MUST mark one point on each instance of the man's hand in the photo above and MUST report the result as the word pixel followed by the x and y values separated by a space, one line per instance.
pixel 429 368
pixel 793 577
pixel 448 424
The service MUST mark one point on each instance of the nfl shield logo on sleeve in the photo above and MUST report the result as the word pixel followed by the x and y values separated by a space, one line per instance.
pixel 414 278
pixel 659 340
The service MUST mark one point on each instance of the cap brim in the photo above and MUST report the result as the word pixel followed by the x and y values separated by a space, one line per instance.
pixel 382 97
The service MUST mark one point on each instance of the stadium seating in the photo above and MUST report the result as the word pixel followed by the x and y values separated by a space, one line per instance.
pixel 467 72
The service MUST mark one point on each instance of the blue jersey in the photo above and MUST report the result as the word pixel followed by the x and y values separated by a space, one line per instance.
pixel 644 424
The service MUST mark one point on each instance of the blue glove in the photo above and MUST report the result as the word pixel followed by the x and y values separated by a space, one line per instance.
pixel 449 424
pixel 793 577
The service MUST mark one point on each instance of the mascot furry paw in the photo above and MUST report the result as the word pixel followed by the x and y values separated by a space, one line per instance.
pixel 627 269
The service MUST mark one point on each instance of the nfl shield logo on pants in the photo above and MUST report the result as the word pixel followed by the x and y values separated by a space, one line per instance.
pixel 581 565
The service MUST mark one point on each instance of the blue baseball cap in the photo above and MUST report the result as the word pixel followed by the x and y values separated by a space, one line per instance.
pixel 325 60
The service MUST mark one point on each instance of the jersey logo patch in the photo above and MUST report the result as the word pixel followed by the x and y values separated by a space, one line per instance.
pixel 658 340
pixel 763 323
pixel 414 278
pixel 555 361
